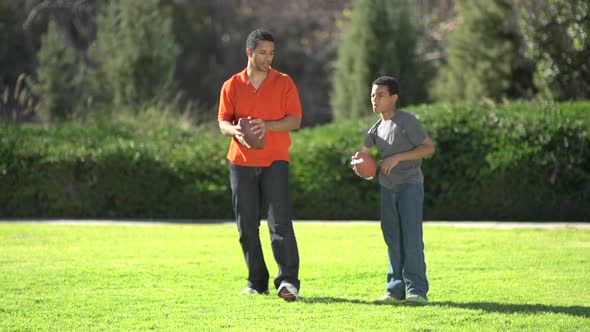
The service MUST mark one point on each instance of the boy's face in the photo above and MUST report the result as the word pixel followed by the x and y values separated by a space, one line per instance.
pixel 261 56
pixel 381 100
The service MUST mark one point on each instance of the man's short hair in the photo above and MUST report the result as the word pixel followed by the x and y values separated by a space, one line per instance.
pixel 390 82
pixel 257 35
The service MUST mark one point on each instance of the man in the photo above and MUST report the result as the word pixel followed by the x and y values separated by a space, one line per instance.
pixel 402 143
pixel 260 178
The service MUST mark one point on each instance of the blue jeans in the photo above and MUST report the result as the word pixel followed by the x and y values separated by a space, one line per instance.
pixel 256 191
pixel 401 223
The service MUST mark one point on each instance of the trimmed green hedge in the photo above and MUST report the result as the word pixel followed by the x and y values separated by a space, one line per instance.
pixel 520 161
pixel 112 173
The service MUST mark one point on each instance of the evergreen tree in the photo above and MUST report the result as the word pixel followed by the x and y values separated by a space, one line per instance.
pixel 57 77
pixel 137 52
pixel 484 54
pixel 380 41
pixel 13 52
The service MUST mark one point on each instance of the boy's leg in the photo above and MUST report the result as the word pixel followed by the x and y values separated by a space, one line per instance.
pixel 411 211
pixel 277 200
pixel 246 203
pixel 390 225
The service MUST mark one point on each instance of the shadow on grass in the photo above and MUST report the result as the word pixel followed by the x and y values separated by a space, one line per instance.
pixel 506 308
pixel 328 300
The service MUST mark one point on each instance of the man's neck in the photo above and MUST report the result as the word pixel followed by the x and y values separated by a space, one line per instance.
pixel 255 75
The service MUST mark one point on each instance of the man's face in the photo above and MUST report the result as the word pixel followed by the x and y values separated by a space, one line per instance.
pixel 381 100
pixel 261 57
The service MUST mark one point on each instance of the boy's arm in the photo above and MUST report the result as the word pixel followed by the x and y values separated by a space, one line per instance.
pixel 423 150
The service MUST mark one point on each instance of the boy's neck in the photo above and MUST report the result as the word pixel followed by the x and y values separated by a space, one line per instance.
pixel 389 114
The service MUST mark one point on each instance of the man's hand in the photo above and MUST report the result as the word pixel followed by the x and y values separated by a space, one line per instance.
pixel 239 135
pixel 259 127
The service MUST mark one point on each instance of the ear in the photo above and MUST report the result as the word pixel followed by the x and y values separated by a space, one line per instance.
pixel 395 97
pixel 249 52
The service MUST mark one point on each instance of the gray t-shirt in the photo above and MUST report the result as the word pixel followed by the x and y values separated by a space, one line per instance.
pixel 401 133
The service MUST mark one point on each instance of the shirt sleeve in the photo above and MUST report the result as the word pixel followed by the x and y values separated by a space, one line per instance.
pixel 415 131
pixel 370 138
pixel 226 105
pixel 292 102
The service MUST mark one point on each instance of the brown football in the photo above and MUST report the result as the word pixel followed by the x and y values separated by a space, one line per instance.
pixel 364 166
pixel 252 139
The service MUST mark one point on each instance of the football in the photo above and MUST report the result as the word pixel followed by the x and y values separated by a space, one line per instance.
pixel 363 165
pixel 252 139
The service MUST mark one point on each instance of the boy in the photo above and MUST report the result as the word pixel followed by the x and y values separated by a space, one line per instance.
pixel 402 142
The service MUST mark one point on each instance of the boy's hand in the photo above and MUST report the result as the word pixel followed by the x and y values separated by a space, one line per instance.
pixel 388 164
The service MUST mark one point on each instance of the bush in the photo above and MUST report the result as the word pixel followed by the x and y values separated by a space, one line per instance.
pixel 520 161
pixel 112 173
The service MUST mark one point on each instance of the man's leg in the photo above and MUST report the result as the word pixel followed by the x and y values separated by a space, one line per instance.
pixel 276 197
pixel 390 225
pixel 410 209
pixel 246 203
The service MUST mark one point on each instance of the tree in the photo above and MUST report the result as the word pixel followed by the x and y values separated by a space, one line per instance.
pixel 485 55
pixel 12 50
pixel 137 52
pixel 197 67
pixel 381 40
pixel 557 33
pixel 73 20
pixel 57 76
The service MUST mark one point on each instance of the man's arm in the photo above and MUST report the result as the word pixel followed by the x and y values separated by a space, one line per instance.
pixel 287 123
pixel 228 129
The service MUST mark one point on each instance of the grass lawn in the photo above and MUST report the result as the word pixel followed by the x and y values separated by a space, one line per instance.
pixel 186 277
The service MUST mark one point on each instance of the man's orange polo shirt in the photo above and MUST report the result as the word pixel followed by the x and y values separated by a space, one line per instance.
pixel 276 97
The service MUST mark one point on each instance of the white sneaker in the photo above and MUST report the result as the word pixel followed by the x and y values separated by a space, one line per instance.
pixel 251 291
pixel 288 292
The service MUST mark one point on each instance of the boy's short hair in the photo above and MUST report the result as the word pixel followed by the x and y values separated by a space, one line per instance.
pixel 390 82
pixel 255 36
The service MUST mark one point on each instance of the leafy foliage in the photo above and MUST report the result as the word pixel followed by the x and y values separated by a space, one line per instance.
pixel 511 162
pixel 58 77
pixel 135 44
pixel 135 55
pixel 485 57
pixel 557 34
pixel 380 41
pixel 13 50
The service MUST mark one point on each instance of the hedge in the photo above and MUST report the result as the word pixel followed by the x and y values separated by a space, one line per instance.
pixel 518 161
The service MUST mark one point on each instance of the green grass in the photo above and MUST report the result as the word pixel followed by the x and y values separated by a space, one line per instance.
pixel 186 277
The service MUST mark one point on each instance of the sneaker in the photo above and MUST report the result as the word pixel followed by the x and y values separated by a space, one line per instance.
pixel 388 299
pixel 288 292
pixel 416 300
pixel 252 291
